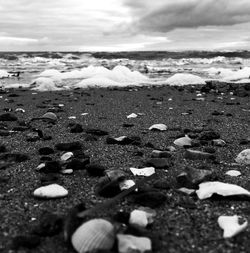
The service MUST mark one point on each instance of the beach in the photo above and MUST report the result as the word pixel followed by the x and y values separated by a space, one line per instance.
pixel 183 223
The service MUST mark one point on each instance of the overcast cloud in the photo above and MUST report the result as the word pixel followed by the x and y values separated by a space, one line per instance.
pixel 124 24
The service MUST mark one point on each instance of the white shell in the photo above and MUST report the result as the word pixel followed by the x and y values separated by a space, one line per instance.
pixel 50 191
pixel 126 184
pixel 243 157
pixel 130 243
pixel 186 190
pixel 207 189
pixel 93 235
pixel 233 173
pixel 66 156
pixel 72 117
pixel 147 171
pixel 183 141
pixel 139 218
pixel 50 115
pixel 231 226
pixel 121 138
pixel 161 127
pixel 132 115
pixel 40 166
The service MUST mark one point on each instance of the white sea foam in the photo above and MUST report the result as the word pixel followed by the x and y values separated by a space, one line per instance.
pixel 184 79
pixel 4 73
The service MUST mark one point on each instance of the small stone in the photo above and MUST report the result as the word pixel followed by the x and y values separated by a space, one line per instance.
pixel 183 141
pixel 243 157
pixel 95 170
pixel 50 192
pixel 218 142
pixel 97 132
pixel 25 241
pixel 186 190
pixel 32 137
pixel 162 184
pixel 14 157
pixel 233 173
pixel 76 128
pixel 69 146
pixel 130 243
pixel 49 179
pixel 50 116
pixel 126 184
pixel 147 171
pixel 46 151
pixel 159 163
pixel 124 140
pixel 132 115
pixel 8 117
pixel 49 224
pixel 150 198
pixel 138 218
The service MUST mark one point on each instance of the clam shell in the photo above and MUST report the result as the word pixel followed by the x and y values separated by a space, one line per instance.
pixel 95 234
pixel 50 116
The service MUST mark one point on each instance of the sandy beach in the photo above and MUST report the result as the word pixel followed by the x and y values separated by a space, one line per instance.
pixel 183 223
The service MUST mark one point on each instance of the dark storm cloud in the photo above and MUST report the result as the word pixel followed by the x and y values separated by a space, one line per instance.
pixel 163 16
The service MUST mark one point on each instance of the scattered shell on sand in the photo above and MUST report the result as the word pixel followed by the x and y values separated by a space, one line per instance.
pixel 95 234
pixel 159 127
pixel 147 171
pixel 66 156
pixel 231 226
pixel 183 141
pixel 207 189
pixel 130 243
pixel 50 191
pixel 243 157
pixel 132 115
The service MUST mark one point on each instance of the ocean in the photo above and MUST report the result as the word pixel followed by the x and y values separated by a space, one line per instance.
pixel 96 68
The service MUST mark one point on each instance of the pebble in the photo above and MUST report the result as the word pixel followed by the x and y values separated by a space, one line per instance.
pixel 126 184
pixel 69 146
pixel 94 131
pixel 161 154
pixel 138 218
pixel 50 192
pixel 209 135
pixel 198 155
pixel 233 173
pixel 132 115
pixel 124 140
pixel 183 141
pixel 66 156
pixel 159 163
pixel 8 117
pixel 243 157
pixel 130 243
pixel 95 170
pixel 49 116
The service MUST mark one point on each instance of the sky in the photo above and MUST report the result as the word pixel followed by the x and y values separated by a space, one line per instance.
pixel 124 25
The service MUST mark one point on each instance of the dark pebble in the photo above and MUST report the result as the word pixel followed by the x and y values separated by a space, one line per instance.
pixel 46 151
pixel 159 163
pixel 25 241
pixel 8 117
pixel 49 224
pixel 97 132
pixel 77 164
pixel 76 128
pixel 45 158
pixel 89 137
pixel 95 170
pixel 106 188
pixel 151 199
pixel 69 146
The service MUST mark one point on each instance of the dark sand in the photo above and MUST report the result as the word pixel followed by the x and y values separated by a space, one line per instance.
pixel 181 229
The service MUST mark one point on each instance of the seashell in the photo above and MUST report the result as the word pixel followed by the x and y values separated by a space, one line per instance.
pixel 50 191
pixel 207 189
pixel 159 127
pixel 147 171
pixel 219 142
pixel 66 156
pixel 132 115
pixel 126 184
pixel 50 116
pixel 198 155
pixel 243 157
pixel 233 173
pixel 121 138
pixel 95 234
pixel 231 226
pixel 183 141
pixel 130 243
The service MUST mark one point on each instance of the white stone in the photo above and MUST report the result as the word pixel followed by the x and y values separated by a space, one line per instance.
pixel 233 173
pixel 138 218
pixel 132 244
pixel 50 191
pixel 231 226
pixel 126 184
pixel 243 157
